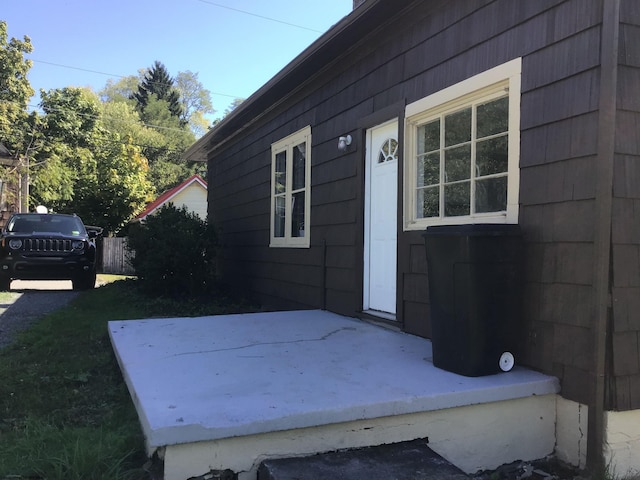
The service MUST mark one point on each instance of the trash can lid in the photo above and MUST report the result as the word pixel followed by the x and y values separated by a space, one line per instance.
pixel 475 229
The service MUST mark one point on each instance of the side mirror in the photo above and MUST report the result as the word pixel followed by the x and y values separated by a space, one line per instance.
pixel 92 231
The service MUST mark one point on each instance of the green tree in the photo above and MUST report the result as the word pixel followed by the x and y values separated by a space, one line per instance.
pixel 121 90
pixel 183 264
pixel 122 117
pixel 196 102
pixel 70 130
pixel 71 114
pixel 121 187
pixel 162 135
pixel 157 83
pixel 167 168
pixel 85 167
pixel 233 105
pixel 158 103
pixel 157 143
pixel 15 92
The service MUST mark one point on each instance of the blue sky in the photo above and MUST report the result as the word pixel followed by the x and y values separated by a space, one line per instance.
pixel 235 46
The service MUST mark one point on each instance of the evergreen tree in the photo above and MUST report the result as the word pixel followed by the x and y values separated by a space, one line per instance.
pixel 157 82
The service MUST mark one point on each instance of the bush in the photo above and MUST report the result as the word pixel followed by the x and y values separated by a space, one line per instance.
pixel 174 253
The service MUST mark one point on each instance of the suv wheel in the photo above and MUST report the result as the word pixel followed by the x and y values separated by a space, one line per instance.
pixel 5 283
pixel 85 281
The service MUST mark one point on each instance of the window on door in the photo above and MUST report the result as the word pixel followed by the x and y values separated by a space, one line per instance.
pixel 463 152
pixel 291 190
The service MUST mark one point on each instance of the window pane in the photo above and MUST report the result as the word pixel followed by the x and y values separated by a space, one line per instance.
pixel 491 195
pixel 457 199
pixel 428 202
pixel 389 151
pixel 457 163
pixel 493 117
pixel 278 217
pixel 299 160
pixel 429 137
pixel 384 153
pixel 428 170
pixel 281 173
pixel 492 156
pixel 457 127
pixel 297 214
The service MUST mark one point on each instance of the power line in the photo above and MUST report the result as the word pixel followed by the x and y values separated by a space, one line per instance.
pixel 260 16
pixel 202 1
pixel 77 68
pixel 111 74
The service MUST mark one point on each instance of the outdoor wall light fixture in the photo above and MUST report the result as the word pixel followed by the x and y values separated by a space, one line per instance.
pixel 344 142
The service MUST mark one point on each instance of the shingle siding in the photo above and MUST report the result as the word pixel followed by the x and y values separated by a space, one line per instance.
pixel 421 49
pixel 625 289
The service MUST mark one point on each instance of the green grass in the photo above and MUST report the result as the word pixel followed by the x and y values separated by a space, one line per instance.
pixel 5 296
pixel 65 412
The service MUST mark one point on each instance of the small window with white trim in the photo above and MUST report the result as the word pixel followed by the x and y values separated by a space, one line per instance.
pixel 462 144
pixel 291 190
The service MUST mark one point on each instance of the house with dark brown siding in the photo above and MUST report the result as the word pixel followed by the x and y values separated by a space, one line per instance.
pixel 411 114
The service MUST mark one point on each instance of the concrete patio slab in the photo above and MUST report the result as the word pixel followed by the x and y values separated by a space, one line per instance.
pixel 220 377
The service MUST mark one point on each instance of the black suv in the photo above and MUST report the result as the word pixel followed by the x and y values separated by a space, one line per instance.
pixel 48 246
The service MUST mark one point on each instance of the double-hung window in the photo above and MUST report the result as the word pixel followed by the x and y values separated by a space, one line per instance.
pixel 291 190
pixel 463 152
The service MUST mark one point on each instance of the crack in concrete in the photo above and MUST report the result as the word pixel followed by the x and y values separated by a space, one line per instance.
pixel 253 345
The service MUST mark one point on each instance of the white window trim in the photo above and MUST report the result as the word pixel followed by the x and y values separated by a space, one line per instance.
pixel 503 77
pixel 287 144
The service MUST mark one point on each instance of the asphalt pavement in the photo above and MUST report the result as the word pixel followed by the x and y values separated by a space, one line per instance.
pixel 29 300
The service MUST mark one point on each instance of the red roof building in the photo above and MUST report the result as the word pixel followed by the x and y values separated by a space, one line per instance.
pixel 192 194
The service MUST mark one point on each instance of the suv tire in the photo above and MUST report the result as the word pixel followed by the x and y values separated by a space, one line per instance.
pixel 85 281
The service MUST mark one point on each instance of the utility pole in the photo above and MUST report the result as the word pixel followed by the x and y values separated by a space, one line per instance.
pixel 24 185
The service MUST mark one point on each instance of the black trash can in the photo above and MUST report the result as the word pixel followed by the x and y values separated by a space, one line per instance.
pixel 475 290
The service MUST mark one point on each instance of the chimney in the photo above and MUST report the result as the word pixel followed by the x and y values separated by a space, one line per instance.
pixel 357 3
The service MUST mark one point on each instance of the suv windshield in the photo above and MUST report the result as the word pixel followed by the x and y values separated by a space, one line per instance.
pixel 49 223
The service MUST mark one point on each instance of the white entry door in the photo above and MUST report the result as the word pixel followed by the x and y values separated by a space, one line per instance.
pixel 381 210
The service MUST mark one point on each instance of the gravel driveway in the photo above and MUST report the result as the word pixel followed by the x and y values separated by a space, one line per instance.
pixel 29 301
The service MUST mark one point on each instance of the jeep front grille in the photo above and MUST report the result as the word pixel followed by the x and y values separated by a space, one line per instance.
pixel 46 245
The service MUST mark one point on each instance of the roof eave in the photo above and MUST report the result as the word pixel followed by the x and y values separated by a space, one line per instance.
pixel 276 88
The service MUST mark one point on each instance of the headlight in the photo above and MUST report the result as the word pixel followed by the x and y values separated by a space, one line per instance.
pixel 15 244
pixel 77 245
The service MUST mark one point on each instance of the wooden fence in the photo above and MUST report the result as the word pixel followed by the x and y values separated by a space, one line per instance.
pixel 114 257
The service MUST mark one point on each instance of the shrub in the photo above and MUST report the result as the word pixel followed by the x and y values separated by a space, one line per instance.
pixel 174 253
